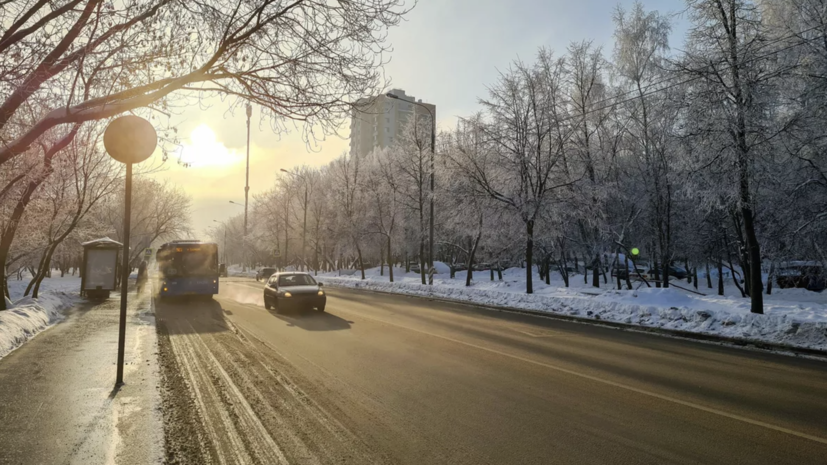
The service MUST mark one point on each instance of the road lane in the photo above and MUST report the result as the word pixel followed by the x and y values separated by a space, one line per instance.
pixel 416 381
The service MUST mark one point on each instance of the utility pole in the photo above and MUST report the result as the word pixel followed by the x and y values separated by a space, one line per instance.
pixel 247 183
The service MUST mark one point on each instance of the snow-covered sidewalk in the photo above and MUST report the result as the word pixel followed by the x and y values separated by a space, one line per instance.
pixel 27 316
pixel 793 317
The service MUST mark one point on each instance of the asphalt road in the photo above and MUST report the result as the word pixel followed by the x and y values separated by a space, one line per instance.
pixel 390 379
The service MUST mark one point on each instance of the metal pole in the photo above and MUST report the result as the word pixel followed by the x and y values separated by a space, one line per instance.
pixel 304 228
pixel 247 181
pixel 124 271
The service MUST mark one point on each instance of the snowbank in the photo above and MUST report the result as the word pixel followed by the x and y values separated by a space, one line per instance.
pixel 792 317
pixel 29 316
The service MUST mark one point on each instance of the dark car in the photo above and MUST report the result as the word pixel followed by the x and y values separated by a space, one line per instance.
pixel 222 270
pixel 293 291
pixel 677 272
pixel 803 275
pixel 264 273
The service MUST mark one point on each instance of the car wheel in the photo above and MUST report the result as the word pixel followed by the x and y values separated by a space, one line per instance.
pixel 266 304
pixel 276 306
pixel 321 308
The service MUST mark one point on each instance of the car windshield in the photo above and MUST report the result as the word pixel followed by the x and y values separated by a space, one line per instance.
pixel 296 280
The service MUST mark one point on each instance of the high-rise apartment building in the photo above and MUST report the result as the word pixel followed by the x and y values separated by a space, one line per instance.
pixel 378 121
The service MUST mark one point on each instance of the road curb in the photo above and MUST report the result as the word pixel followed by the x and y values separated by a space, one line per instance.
pixel 745 343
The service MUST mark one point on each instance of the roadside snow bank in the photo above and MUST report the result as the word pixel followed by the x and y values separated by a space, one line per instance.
pixel 28 317
pixel 793 323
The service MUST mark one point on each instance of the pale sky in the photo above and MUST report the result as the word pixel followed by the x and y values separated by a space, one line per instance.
pixel 446 52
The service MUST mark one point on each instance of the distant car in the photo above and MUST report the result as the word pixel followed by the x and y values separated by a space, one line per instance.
pixel 300 291
pixel 222 270
pixel 264 273
pixel 461 267
pixel 803 275
pixel 677 272
pixel 635 272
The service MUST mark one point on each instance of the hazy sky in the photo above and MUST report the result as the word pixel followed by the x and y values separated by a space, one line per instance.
pixel 446 52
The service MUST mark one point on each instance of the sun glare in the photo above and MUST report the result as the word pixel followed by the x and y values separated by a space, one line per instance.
pixel 205 150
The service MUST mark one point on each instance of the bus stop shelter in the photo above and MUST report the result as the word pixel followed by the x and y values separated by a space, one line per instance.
pixel 100 267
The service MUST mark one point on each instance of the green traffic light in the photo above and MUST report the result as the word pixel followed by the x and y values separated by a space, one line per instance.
pixel 635 251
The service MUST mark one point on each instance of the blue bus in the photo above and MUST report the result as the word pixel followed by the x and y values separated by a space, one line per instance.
pixel 187 268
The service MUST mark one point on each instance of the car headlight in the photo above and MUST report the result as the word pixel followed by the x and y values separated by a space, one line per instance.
pixel 321 292
pixel 287 294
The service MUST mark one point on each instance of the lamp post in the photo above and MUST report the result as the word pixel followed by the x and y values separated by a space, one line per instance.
pixel 304 226
pixel 247 179
pixel 129 139
pixel 431 207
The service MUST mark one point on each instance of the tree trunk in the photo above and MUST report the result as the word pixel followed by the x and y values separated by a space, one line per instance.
pixel 596 271
pixel 381 261
pixel 47 264
pixel 361 264
pixel 708 276
pixel 695 277
pixel 628 273
pixel 390 265
pixel 492 272
pixel 471 255
pixel 41 267
pixel 734 277
pixel 499 271
pixel 529 256
pixel 770 277
pixel 603 272
pixel 720 277
pixel 422 259
pixel 563 268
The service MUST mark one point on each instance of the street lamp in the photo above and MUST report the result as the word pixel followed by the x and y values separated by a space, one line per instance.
pixel 304 227
pixel 433 144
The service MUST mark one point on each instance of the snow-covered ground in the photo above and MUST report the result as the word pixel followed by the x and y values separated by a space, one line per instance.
pixel 28 317
pixel 794 317
pixel 236 270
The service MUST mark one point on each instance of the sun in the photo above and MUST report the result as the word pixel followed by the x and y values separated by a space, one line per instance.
pixel 204 149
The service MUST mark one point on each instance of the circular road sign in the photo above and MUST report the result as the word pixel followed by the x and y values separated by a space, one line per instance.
pixel 130 139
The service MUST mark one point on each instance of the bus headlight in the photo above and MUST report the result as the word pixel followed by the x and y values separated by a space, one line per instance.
pixel 321 292
pixel 287 294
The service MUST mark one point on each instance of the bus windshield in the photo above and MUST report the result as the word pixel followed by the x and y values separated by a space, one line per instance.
pixel 201 260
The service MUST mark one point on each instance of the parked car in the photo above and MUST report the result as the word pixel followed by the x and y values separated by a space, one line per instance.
pixel 635 272
pixel 300 291
pixel 482 266
pixel 461 267
pixel 677 272
pixel 803 275
pixel 264 273
pixel 222 270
